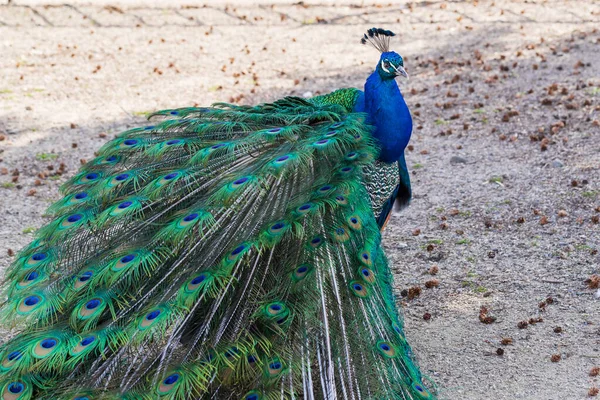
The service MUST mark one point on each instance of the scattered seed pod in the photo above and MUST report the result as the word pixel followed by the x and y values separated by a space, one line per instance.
pixel 522 324
pixel 413 292
pixel 593 282
pixel 433 283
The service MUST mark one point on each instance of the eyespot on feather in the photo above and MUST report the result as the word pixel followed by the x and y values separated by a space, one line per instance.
pixel 253 395
pixel 10 359
pixel 83 279
pixel 315 242
pixel 420 390
pixel 301 271
pixel 46 347
pixel 359 289
pixel 273 368
pixel 28 304
pixel 16 390
pixel 84 345
pixel 354 222
pixel 387 349
pixel 170 383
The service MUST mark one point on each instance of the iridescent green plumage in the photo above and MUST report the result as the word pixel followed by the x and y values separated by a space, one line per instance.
pixel 227 252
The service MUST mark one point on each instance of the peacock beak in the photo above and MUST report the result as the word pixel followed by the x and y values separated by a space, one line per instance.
pixel 400 71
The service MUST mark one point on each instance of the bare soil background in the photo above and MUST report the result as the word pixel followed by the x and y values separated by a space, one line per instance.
pixel 505 155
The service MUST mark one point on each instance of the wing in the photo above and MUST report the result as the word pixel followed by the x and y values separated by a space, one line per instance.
pixel 226 252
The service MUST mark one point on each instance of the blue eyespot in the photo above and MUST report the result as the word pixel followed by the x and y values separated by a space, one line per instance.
pixel 384 347
pixel 74 218
pixel 39 256
pixel 274 130
pixel 218 146
pixel 48 343
pixel 282 158
pixel 171 379
pixel 171 176
pixel 198 279
pixel 173 141
pixel 174 112
pixel 149 127
pixel 357 287
pixel 275 307
pixel 16 387
pixel 110 159
pixel 316 240
pixel 122 177
pixel 127 258
pixel 366 272
pixel 190 217
pixel 278 225
pixel 15 355
pixel 90 305
pixel 240 181
pixel 91 176
pixel 238 250
pixel 32 276
pixel 85 276
pixel 88 340
pixel 32 301
pixel 275 365
pixel 81 195
pixel 152 315
pixel 302 269
pixel 130 142
pixel 125 204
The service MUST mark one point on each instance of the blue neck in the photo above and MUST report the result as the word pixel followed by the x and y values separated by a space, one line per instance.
pixel 388 112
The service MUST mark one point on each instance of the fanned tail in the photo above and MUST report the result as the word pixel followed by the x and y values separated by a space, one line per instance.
pixel 226 252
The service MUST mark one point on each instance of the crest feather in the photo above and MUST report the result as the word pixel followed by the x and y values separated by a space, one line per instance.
pixel 378 38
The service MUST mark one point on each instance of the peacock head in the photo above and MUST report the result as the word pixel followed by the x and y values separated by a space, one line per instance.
pixel 390 63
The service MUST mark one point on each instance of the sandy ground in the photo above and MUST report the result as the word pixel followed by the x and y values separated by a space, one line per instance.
pixel 505 156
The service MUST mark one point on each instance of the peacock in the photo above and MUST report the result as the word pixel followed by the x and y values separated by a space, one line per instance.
pixel 224 252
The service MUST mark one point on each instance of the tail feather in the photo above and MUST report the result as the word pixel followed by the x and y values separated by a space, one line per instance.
pixel 227 252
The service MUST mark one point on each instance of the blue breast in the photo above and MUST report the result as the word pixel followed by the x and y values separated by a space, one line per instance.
pixel 388 112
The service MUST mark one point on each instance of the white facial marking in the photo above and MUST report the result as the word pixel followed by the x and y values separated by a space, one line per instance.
pixel 384 68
